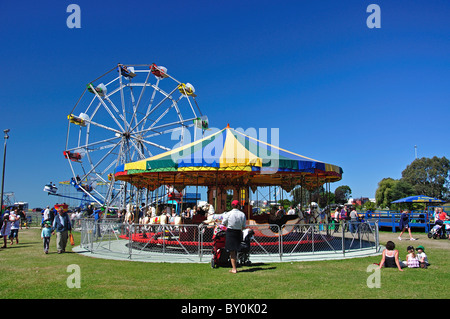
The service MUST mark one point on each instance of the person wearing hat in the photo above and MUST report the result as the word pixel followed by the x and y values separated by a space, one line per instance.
pixel 46 234
pixel 235 221
pixel 423 259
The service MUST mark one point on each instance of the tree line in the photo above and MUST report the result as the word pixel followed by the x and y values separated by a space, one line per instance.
pixel 424 176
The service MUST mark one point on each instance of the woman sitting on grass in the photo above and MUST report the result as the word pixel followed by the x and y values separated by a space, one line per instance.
pixel 390 257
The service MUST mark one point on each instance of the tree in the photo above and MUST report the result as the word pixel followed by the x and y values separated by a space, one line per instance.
pixel 369 205
pixel 429 176
pixel 383 194
pixel 342 194
pixel 390 189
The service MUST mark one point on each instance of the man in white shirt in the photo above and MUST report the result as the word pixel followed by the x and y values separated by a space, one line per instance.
pixel 235 221
pixel 46 215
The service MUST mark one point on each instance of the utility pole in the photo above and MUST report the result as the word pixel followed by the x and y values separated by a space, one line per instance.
pixel 4 160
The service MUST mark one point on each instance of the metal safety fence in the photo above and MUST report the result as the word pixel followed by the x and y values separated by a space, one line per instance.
pixel 168 242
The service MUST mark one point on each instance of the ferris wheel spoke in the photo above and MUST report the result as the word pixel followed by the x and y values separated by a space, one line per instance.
pixel 94 166
pixel 154 109
pixel 156 128
pixel 90 145
pixel 151 101
pixel 156 145
pixel 146 149
pixel 98 194
pixel 139 99
pixel 104 127
pixel 107 169
pixel 106 108
pixel 141 154
pixel 122 100
pixel 133 116
pixel 162 115
pixel 117 112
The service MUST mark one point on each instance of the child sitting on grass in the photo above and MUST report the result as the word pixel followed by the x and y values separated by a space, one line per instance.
pixel 423 258
pixel 411 258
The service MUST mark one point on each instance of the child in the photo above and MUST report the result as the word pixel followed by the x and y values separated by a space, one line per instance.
pixel 45 235
pixel 423 259
pixel 411 258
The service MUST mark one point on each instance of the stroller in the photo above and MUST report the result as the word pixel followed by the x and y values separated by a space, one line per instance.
pixel 243 256
pixel 221 257
pixel 438 231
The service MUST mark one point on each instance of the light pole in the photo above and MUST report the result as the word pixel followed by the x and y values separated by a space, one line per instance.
pixel 4 160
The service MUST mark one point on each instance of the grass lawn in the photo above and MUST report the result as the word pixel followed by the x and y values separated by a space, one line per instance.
pixel 27 273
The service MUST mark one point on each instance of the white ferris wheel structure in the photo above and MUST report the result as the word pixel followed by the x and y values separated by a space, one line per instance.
pixel 128 114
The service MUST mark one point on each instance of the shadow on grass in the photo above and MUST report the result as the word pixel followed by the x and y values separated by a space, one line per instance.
pixel 257 267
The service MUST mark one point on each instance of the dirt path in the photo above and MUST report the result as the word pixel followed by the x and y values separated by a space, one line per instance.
pixel 422 239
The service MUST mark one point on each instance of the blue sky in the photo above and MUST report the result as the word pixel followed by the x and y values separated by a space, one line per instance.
pixel 338 91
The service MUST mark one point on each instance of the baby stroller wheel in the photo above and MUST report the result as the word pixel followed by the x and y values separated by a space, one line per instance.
pixel 435 236
pixel 430 235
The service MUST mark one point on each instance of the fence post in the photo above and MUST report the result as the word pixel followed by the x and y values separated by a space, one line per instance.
pixel 130 239
pixel 343 238
pixel 200 242
pixel 280 242
pixel 377 238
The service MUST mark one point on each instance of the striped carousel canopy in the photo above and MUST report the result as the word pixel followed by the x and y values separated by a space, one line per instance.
pixel 228 157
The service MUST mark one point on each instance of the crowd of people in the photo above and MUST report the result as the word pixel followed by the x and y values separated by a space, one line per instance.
pixel 11 222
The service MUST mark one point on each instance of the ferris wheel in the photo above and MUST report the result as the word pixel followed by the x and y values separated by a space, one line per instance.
pixel 130 113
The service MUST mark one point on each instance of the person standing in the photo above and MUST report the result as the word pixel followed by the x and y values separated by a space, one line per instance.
pixel 353 221
pixel 46 233
pixel 97 219
pixel 404 224
pixel 45 215
pixel 62 227
pixel 14 218
pixel 5 228
pixel 235 222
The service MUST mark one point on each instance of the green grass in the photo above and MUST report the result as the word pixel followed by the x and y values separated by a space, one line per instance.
pixel 26 272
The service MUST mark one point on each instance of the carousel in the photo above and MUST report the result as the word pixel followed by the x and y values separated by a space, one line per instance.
pixel 225 162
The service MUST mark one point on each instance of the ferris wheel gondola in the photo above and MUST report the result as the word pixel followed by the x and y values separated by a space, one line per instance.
pixel 124 117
